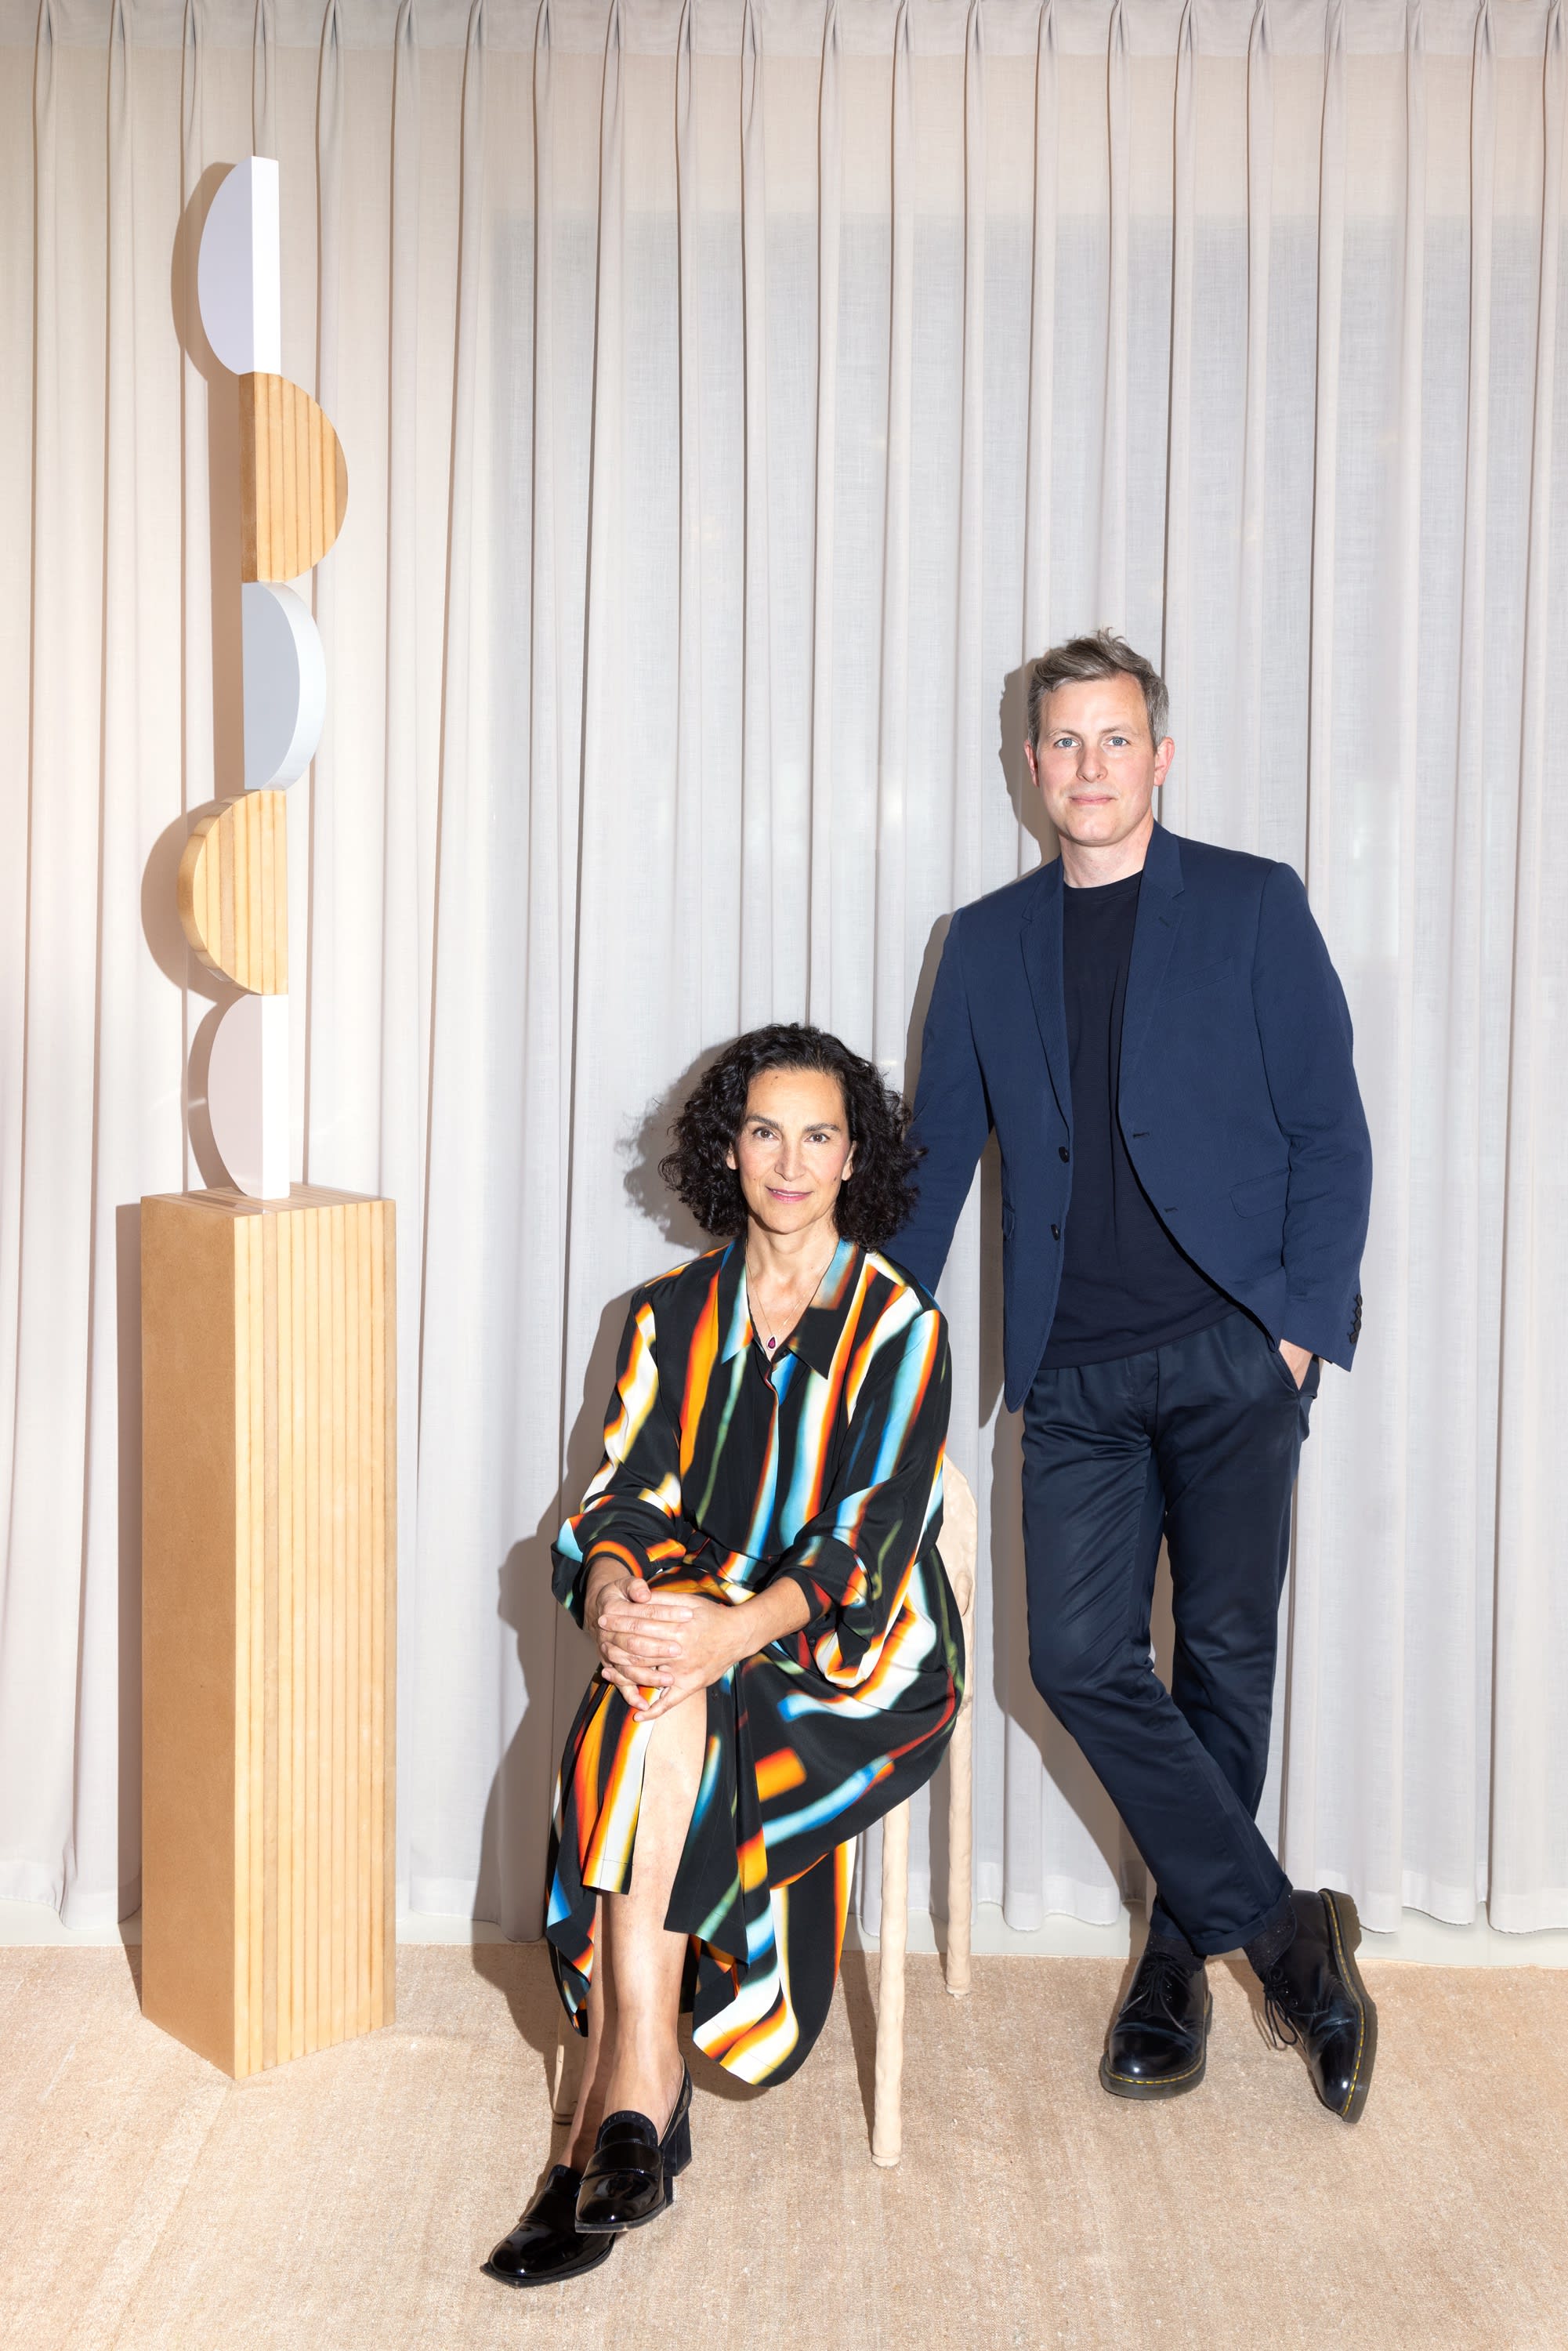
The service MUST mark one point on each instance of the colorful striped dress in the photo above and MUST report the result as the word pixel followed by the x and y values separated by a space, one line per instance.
pixel 724 1471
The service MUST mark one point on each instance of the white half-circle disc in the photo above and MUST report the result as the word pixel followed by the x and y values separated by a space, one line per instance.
pixel 239 277
pixel 284 684
pixel 247 1095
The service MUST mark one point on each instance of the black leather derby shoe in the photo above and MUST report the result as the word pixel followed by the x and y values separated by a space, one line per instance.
pixel 545 2246
pixel 1158 2046
pixel 631 2175
pixel 1315 1997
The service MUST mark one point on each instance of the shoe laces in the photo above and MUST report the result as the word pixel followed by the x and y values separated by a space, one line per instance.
pixel 1165 1983
pixel 1286 2023
pixel 1281 2032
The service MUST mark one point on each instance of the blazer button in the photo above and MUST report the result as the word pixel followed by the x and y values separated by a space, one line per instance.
pixel 1063 1152
pixel 1056 1232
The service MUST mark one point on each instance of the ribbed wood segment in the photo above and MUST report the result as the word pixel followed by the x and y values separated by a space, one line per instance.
pixel 269 1532
pixel 294 482
pixel 234 892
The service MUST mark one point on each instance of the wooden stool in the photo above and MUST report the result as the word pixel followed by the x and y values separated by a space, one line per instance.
pixel 960 1531
pixel 960 1534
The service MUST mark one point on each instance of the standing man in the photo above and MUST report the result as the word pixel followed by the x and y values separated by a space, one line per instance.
pixel 1155 1029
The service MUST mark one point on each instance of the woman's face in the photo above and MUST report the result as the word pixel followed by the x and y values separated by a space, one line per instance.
pixel 793 1150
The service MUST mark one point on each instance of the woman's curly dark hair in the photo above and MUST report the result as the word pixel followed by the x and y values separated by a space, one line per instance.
pixel 875 1198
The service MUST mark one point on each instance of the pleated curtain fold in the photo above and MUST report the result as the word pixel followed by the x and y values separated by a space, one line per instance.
pixel 736 394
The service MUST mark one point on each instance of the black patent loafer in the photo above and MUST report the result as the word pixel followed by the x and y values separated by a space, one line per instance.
pixel 1158 2046
pixel 546 2245
pixel 630 2177
pixel 1314 1998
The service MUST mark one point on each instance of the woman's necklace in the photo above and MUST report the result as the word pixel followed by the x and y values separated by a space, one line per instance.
pixel 770 1339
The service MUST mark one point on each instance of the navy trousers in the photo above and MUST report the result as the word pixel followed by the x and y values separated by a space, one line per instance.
pixel 1197 1441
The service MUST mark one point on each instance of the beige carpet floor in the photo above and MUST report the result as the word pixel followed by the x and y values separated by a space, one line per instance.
pixel 349 2199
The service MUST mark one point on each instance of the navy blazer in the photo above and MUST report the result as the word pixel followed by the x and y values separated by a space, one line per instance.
pixel 1237 1096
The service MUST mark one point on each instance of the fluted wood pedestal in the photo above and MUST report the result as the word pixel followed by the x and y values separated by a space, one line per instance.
pixel 268 1530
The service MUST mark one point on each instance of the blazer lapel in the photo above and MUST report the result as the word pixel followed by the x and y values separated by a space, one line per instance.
pixel 1154 937
pixel 1042 942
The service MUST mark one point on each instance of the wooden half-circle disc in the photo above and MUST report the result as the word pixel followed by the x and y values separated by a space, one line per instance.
pixel 234 892
pixel 294 482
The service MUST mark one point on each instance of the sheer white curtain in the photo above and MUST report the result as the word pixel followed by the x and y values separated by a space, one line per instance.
pixel 734 394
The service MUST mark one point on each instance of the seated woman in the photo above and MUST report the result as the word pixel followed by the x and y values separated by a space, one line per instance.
pixel 779 1654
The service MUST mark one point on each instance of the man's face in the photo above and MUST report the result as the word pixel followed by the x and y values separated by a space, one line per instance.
pixel 1096 765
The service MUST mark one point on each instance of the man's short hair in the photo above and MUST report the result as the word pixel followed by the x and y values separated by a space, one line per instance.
pixel 1104 655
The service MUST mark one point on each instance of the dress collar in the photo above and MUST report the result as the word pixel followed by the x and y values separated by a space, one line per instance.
pixel 815 1337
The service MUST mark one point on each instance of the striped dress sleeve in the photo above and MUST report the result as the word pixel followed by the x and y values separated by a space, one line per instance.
pixel 631 1508
pixel 854 1557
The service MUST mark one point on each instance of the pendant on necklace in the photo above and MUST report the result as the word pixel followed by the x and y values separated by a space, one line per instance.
pixel 771 1345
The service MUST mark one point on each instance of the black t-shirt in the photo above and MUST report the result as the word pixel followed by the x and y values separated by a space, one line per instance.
pixel 1126 1285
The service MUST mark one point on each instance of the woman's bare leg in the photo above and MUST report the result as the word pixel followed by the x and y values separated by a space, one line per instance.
pixel 588 2111
pixel 633 2058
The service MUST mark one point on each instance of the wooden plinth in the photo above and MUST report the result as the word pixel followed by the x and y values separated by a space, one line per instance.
pixel 268 1533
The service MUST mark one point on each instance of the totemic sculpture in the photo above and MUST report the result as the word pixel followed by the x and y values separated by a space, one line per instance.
pixel 294 487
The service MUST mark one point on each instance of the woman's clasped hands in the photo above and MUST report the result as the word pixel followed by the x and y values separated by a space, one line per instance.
pixel 657 1650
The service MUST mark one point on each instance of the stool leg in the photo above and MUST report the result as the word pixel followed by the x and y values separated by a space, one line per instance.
pixel 887 2125
pixel 961 1819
